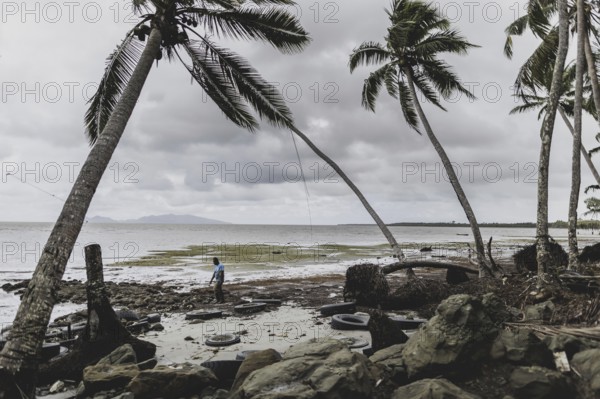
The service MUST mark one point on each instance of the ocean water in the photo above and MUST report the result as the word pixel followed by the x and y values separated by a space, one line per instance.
pixel 307 250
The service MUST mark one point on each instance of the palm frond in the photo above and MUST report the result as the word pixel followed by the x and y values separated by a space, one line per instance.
pixel 368 53
pixel 587 190
pixel 372 86
pixel 421 82
pixel 210 76
pixel 408 106
pixel 537 69
pixel 443 79
pixel 275 26
pixel 119 69
pixel 261 95
pixel 519 109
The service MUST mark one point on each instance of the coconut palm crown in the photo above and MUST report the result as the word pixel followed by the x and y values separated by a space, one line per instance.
pixel 418 35
pixel 187 28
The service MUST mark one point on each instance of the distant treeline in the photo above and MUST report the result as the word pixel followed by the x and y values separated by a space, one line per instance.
pixel 559 224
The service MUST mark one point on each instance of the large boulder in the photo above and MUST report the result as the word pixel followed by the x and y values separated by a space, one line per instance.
pixel 391 358
pixel 254 361
pixel 521 347
pixel 537 382
pixel 124 354
pixel 539 312
pixel 102 377
pixel 570 344
pixel 168 382
pixel 313 369
pixel 432 389
pixel 587 364
pixel 456 338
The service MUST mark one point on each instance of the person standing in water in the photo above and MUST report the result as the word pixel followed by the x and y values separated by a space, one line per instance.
pixel 219 277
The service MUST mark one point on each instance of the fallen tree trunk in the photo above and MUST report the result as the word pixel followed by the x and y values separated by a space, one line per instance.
pixel 103 333
pixel 394 267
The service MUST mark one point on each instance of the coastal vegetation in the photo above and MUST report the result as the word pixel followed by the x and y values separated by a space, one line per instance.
pixel 410 66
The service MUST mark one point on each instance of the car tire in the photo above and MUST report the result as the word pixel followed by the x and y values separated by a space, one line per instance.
pixel 408 324
pixel 126 314
pixel 252 307
pixel 338 308
pixel 222 340
pixel 353 342
pixel 349 322
pixel 203 315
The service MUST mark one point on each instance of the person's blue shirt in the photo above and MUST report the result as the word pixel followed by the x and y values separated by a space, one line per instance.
pixel 217 273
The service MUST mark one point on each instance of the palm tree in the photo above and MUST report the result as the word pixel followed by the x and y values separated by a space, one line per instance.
pixel 410 57
pixel 167 29
pixel 550 55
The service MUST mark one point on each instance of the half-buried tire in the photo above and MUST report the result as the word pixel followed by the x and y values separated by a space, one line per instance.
pixel 203 314
pixel 338 308
pixel 126 314
pixel 353 342
pixel 222 340
pixel 50 350
pixel 349 322
pixel 268 301
pixel 408 324
pixel 252 307
pixel 225 371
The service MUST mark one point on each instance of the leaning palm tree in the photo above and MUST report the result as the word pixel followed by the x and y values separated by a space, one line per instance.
pixel 167 29
pixel 551 54
pixel 418 35
pixel 534 99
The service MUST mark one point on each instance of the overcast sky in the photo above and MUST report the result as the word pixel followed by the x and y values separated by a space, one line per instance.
pixel 180 155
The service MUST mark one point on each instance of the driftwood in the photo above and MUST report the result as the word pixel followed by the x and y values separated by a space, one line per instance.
pixel 394 267
pixel 495 266
pixel 103 333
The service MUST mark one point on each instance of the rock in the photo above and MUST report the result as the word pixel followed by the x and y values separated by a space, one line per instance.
pixel 539 312
pixel 526 259
pixel 101 377
pixel 569 344
pixel 587 364
pixel 521 347
pixel 391 358
pixel 168 382
pixel 536 382
pixel 455 339
pixel 57 387
pixel 124 354
pixel 157 327
pixel 432 389
pixel 188 338
pixel 384 332
pixel 214 393
pixel 455 276
pixel 254 361
pixel 148 364
pixel 313 369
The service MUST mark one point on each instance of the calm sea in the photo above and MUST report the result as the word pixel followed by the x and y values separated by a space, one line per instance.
pixel 311 249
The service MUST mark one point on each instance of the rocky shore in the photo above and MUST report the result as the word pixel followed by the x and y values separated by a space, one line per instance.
pixel 483 339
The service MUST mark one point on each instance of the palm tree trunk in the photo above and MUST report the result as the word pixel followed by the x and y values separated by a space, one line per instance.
pixel 584 152
pixel 576 164
pixel 592 73
pixel 382 226
pixel 542 238
pixel 18 359
pixel 484 269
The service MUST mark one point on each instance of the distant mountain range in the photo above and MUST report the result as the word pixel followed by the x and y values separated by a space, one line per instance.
pixel 159 219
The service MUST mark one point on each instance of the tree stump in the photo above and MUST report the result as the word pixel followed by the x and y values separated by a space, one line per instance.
pixel 103 333
pixel 366 284
pixel 384 332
